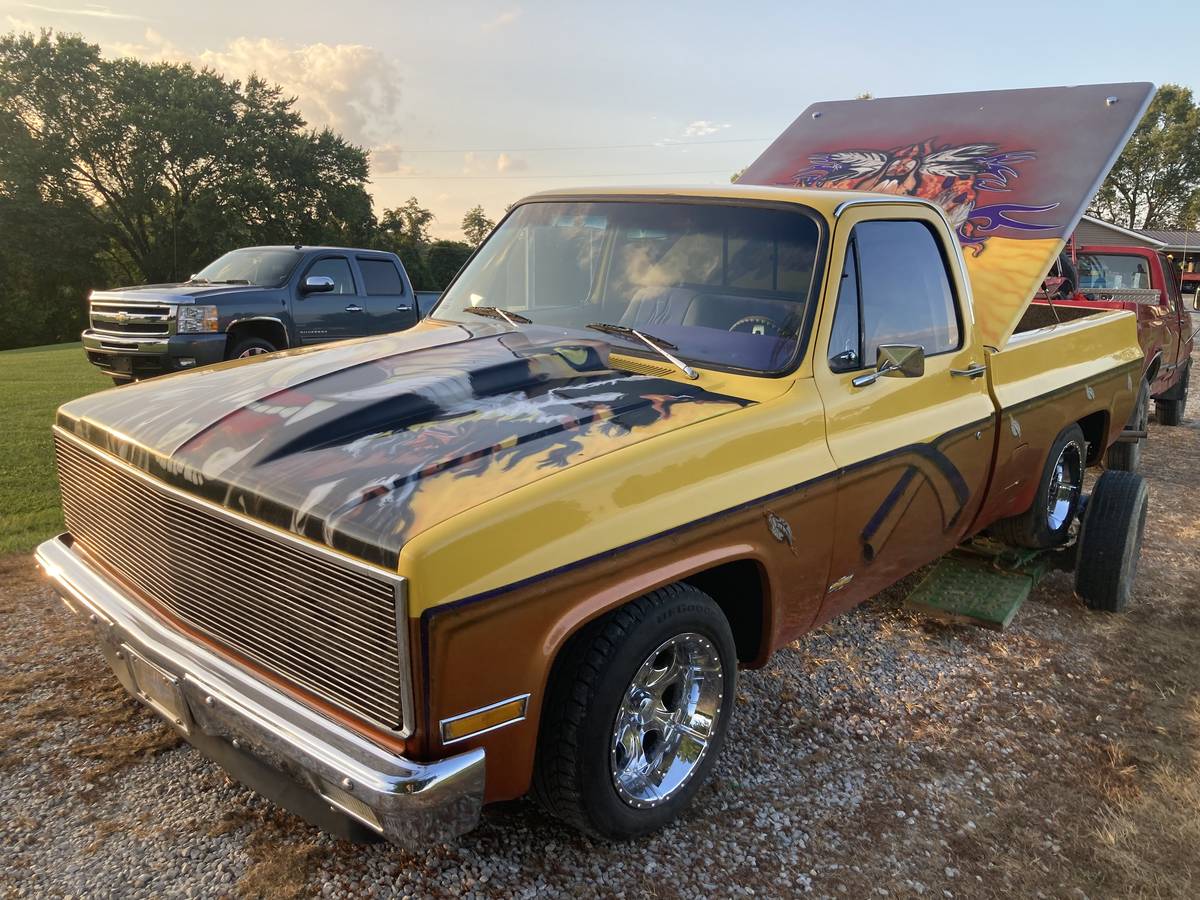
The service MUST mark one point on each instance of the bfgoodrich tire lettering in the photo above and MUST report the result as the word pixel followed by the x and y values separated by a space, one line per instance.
pixel 593 692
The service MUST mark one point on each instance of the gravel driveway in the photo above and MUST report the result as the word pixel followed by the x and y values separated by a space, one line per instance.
pixel 882 755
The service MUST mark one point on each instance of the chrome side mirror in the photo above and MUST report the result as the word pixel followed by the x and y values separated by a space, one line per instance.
pixel 318 284
pixel 895 361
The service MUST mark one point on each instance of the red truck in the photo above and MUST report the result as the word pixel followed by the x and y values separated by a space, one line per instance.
pixel 1136 279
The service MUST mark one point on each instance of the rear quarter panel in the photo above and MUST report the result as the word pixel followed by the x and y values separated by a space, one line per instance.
pixel 1044 380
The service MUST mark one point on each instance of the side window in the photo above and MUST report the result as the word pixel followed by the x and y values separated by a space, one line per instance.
pixel 380 276
pixel 904 294
pixel 337 268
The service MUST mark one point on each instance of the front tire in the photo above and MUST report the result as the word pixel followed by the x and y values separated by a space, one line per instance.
pixel 636 714
pixel 248 347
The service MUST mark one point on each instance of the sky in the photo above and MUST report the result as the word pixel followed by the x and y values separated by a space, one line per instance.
pixel 465 103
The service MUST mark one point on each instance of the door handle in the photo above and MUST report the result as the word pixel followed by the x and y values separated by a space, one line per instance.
pixel 974 370
pixel 403 308
pixel 353 307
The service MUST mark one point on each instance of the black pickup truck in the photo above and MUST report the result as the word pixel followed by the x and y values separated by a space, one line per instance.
pixel 251 301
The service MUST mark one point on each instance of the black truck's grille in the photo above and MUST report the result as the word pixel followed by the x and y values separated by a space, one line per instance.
pixel 328 626
pixel 132 319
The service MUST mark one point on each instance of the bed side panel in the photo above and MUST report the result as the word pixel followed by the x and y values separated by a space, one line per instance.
pixel 1046 379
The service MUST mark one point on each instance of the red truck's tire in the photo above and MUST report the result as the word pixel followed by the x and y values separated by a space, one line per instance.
pixel 598 689
pixel 1170 412
pixel 1111 541
pixel 1047 523
pixel 1124 456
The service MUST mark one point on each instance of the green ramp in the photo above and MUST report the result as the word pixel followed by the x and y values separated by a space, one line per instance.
pixel 980 583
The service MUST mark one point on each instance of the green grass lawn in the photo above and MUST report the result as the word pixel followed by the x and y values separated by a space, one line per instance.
pixel 33 383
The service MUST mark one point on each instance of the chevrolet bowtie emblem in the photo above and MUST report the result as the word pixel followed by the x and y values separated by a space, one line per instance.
pixel 122 317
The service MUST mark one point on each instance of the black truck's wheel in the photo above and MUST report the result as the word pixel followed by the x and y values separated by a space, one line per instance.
pixel 636 714
pixel 1124 456
pixel 249 346
pixel 1111 541
pixel 1047 523
pixel 1169 411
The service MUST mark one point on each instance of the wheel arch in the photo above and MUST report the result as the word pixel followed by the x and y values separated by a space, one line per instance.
pixel 269 328
pixel 1095 432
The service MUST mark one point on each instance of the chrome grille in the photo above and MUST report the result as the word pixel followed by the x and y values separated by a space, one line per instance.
pixel 328 625
pixel 131 319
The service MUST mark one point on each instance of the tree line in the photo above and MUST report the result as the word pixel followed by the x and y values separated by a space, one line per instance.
pixel 118 171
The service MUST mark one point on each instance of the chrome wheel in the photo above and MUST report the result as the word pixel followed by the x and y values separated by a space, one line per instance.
pixel 667 720
pixel 1065 482
pixel 252 351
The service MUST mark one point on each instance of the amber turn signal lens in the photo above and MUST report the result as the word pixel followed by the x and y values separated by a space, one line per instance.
pixel 481 720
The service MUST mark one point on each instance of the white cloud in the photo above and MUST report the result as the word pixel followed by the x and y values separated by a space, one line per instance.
pixel 487 164
pixel 503 20
pixel 351 88
pixel 703 128
pixel 153 48
pixel 91 10
pixel 386 160
pixel 506 163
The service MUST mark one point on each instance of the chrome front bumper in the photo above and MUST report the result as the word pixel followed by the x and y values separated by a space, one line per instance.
pixel 291 752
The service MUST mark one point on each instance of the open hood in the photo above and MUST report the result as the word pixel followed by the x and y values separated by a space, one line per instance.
pixel 1013 170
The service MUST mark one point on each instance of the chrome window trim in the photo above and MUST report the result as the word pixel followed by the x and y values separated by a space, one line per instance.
pixel 399 582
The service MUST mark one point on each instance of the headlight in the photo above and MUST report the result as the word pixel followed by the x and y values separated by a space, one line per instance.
pixel 195 319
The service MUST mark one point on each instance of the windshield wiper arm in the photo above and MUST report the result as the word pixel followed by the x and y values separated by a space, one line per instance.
pixel 492 312
pixel 658 345
pixel 229 281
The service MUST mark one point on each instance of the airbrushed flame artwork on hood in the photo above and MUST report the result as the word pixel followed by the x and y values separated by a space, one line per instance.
pixel 1012 170
pixel 365 455
pixel 951 175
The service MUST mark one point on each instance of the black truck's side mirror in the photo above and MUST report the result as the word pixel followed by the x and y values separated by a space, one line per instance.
pixel 317 284
pixel 895 361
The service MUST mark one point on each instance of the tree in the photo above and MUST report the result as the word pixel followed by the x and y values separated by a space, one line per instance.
pixel 476 226
pixel 445 259
pixel 1156 181
pixel 404 230
pixel 173 164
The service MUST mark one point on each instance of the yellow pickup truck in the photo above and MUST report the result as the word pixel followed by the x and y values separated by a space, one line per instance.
pixel 647 437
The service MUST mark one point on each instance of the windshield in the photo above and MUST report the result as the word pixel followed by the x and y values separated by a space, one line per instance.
pixel 726 285
pixel 265 267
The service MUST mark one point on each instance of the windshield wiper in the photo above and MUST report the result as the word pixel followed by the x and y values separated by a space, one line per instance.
pixel 229 281
pixel 658 345
pixel 491 312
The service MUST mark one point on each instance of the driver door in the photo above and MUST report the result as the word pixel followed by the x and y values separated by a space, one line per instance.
pixel 913 453
pixel 331 315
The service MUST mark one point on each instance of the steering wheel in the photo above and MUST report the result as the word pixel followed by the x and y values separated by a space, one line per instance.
pixel 756 325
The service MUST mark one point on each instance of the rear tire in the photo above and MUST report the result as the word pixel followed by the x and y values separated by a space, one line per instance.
pixel 1124 456
pixel 1047 523
pixel 1170 412
pixel 1111 541
pixel 610 762
pixel 250 346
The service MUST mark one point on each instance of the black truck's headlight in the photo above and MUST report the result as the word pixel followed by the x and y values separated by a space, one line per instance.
pixel 196 319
